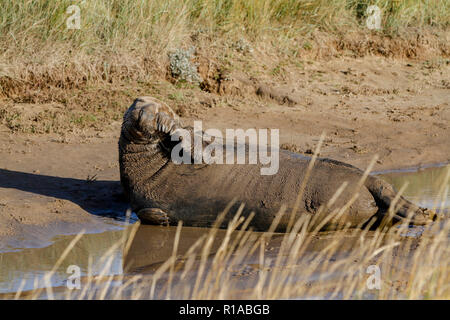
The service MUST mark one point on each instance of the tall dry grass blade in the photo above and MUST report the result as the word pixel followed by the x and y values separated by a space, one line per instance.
pixel 174 255
pixel 207 247
pixel 89 279
pixel 304 182
pixel 19 290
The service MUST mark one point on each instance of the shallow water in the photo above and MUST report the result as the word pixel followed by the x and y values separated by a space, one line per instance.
pixel 32 263
pixel 424 187
pixel 152 244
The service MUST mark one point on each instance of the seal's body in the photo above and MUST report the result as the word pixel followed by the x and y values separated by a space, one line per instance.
pixel 163 192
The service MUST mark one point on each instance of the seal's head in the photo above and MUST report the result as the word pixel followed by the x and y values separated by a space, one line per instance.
pixel 149 120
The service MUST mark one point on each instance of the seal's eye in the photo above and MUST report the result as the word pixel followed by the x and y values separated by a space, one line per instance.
pixel 141 112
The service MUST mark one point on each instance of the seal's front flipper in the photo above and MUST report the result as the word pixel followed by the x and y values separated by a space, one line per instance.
pixel 153 216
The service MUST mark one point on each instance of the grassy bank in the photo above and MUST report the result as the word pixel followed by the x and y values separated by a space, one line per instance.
pixel 164 23
pixel 122 47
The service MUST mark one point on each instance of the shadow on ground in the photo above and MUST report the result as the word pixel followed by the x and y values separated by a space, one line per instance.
pixel 101 198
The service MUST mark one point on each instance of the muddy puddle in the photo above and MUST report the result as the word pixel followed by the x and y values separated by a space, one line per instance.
pixel 424 187
pixel 24 268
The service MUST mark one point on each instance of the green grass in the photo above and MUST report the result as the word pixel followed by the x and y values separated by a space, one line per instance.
pixel 125 43
pixel 118 22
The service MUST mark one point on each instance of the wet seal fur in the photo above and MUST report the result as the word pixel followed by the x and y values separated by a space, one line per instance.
pixel 162 192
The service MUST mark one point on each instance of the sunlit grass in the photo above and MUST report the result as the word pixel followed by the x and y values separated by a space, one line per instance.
pixel 115 22
pixel 126 38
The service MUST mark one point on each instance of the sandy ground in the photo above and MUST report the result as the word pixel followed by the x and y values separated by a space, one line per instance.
pixel 400 110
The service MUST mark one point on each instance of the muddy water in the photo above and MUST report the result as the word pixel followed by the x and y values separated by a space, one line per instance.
pixel 30 264
pixel 424 187
pixel 152 245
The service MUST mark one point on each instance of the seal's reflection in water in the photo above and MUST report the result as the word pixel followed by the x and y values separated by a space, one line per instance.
pixel 152 246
